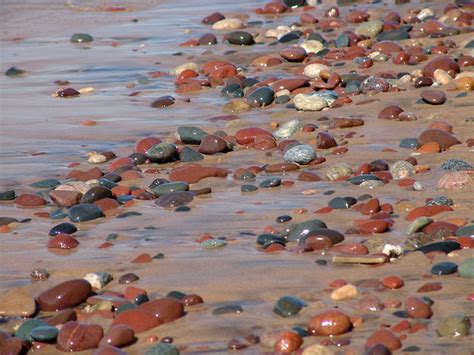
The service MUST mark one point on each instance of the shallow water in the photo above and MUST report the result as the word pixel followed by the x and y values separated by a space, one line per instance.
pixel 41 135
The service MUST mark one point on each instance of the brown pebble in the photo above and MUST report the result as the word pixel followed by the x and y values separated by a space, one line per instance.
pixel 329 323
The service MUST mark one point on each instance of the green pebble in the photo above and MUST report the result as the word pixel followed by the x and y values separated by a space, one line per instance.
pixel 7 195
pixel 418 224
pixel 46 184
pixel 213 243
pixel 466 269
pixel 81 38
pixel 44 333
pixel 454 325
pixel 162 349
pixel 24 332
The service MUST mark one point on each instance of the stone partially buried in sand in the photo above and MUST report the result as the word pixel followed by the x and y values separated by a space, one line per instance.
pixel 84 212
pixel 444 139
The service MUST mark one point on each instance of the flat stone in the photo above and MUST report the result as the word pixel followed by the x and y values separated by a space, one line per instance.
pixel 163 101
pixel 74 336
pixel 329 323
pixel 45 333
pixel 166 188
pixel 24 332
pixel 467 230
pixel 444 268
pixel 454 325
pixel 241 38
pixel 193 173
pixel 7 195
pixel 138 320
pixel 162 349
pixel 466 268
pixel 175 199
pixel 63 228
pixel 288 306
pixel 81 38
pixel 433 97
pixel 273 182
pixel 228 309
pixel 164 309
pixel 191 135
pixel 443 246
pixel 298 231
pixel 46 184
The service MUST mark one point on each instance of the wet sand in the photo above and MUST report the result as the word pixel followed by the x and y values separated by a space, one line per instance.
pixel 42 135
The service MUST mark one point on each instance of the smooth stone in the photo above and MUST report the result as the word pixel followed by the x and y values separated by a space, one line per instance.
pixel 144 144
pixel 261 97
pixel 467 230
pixel 454 325
pixel 228 309
pixel 357 180
pixel 62 241
pixel 338 170
pixel 212 144
pixel 65 295
pixel 188 154
pixel 162 152
pixel 394 35
pixel 7 195
pixel 60 213
pixel 442 246
pixel 190 135
pixel 162 349
pixel 96 193
pixel 242 38
pixel 45 333
pixel 401 170
pixel 63 228
pixel 108 350
pixel 175 199
pixel 81 38
pixel 164 309
pixel 212 18
pixel 423 81
pixel 298 231
pixel 441 62
pixel 444 268
pixel 411 143
pixel 163 101
pixel 342 202
pixel 273 182
pixel 390 112
pixel 24 332
pixel 119 335
pixel 300 154
pixel 369 28
pixel 30 200
pixel 325 140
pixel 213 243
pixel 329 323
pixel 433 97
pixel 46 184
pixel 84 212
pixel 294 3
pixel 466 269
pixel 248 135
pixel 293 54
pixel 166 188
pixel 136 319
pixel 64 198
pixel 248 188
pixel 418 224
pixel 289 37
pixel 207 39
pixel 17 302
pixel 283 219
pixel 288 306
pixel 416 307
pixel 39 274
pixel 74 336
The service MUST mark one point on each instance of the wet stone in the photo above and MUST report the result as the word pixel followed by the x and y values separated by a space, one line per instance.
pixel 24 332
pixel 444 268
pixel 74 336
pixel 300 154
pixel 166 188
pixel 63 228
pixel 248 188
pixel 342 202
pixel 395 35
pixel 411 143
pixel 65 295
pixel 263 239
pixel 84 212
pixel 7 195
pixel 188 154
pixel 467 230
pixel 96 193
pixel 288 306
pixel 81 38
pixel 45 333
pixel 191 135
pixel 440 201
pixel 298 231
pixel 329 323
pixel 162 152
pixel 46 184
pixel 283 219
pixel 273 182
pixel 433 97
pixel 228 309
pixel 242 38
pixel 14 71
pixel 39 275
pixel 261 97
pixel 443 246
pixel 213 244
pixel 163 101
pixel 175 199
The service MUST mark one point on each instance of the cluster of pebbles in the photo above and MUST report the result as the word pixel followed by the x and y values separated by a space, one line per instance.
pixel 332 81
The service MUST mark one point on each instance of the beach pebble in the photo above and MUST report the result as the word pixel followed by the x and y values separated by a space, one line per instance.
pixel 227 24
pixel 287 129
pixel 84 212
pixel 370 28
pixel 98 279
pixel 300 154
pixel 329 323
pixel 433 97
pixel 242 38
pixel 454 325
pixel 444 268
pixel 288 306
pixel 74 336
pixel 384 337
pixel 466 269
pixel 344 292
pixel 81 38
pixel 64 295
pixel 306 102
pixel 416 307
pixel 17 302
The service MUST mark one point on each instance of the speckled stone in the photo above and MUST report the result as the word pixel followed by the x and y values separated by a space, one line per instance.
pixel 287 129
pixel 190 135
pixel 456 165
pixel 401 170
pixel 300 154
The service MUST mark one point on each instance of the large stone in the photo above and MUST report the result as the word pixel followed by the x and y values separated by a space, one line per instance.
pixel 65 295
pixel 74 336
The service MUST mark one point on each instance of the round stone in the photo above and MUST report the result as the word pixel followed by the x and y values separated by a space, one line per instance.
pixel 45 333
pixel 162 152
pixel 242 38
pixel 261 97
pixel 444 268
pixel 84 212
pixel 466 268
pixel 273 182
pixel 175 199
pixel 416 307
pixel 433 97
pixel 454 325
pixel 300 154
pixel 74 336
pixel 24 332
pixel 329 323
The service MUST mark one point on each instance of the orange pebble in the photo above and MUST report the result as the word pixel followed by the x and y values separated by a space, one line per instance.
pixel 430 147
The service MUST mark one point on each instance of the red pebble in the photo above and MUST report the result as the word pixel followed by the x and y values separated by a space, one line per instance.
pixel 142 258
pixel 392 282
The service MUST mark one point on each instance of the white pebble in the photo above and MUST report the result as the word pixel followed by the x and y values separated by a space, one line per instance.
pixel 426 12
pixel 228 24
pixel 277 32
pixel 306 102
pixel 441 77
pixel 312 46
pixel 344 292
